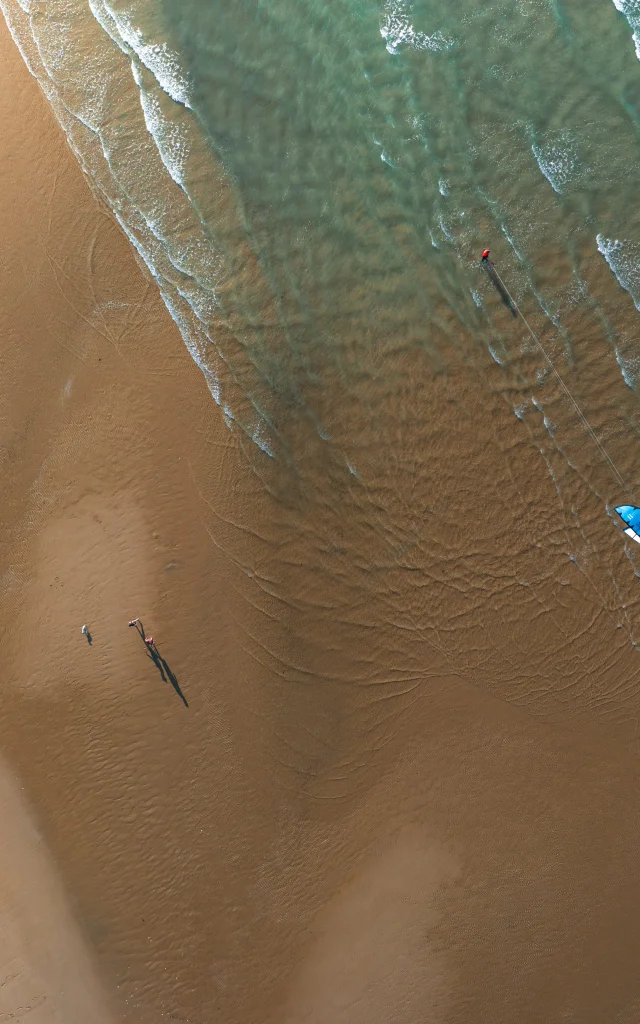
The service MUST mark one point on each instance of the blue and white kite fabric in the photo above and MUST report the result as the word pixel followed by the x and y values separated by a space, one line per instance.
pixel 630 514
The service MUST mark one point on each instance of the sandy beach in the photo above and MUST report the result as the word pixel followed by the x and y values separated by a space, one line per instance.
pixel 308 808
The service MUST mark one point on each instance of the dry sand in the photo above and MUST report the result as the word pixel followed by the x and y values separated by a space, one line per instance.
pixel 340 826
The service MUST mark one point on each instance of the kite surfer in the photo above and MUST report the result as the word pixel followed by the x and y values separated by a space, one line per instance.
pixel 496 281
pixel 629 514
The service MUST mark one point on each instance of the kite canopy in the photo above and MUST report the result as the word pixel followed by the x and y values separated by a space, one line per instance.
pixel 630 514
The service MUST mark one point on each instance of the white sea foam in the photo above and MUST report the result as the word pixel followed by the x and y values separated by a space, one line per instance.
pixel 558 160
pixel 163 62
pixel 196 342
pixel 398 32
pixel 630 369
pixel 499 359
pixel 512 242
pixel 623 258
pixel 549 426
pixel 100 12
pixel 520 410
pixel 552 473
pixel 137 158
pixel 631 11
pixel 446 230
pixel 171 137
pixel 259 437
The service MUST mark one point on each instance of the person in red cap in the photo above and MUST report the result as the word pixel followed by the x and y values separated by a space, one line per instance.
pixel 485 255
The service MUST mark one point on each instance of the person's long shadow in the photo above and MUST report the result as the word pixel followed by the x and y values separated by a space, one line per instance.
pixel 166 673
pixel 164 670
pixel 500 288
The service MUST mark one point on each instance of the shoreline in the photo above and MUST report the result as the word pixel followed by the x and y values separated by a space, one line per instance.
pixel 354 819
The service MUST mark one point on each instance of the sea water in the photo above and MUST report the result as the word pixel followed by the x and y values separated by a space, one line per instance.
pixel 301 177
pixel 311 184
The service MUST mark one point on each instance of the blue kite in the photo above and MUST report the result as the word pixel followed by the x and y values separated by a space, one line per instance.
pixel 630 514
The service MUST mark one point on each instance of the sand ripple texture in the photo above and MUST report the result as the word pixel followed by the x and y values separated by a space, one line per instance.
pixel 411 660
pixel 311 193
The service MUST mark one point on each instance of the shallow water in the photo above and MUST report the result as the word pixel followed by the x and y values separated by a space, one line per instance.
pixel 311 183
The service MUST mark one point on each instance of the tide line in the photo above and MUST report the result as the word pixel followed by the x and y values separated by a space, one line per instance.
pixel 564 387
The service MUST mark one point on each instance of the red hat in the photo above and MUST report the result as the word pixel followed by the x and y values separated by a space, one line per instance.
pixel 485 253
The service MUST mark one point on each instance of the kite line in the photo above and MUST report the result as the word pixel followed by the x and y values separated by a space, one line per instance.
pixel 502 288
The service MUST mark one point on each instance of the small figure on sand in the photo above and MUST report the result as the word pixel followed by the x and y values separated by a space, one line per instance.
pixel 485 255
pixel 149 641
pixel 85 632
pixel 134 622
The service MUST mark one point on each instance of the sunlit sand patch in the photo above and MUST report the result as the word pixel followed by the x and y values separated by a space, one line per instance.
pixel 371 958
pixel 90 567
pixel 47 974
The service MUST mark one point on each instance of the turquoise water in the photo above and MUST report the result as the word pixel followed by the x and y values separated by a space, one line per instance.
pixel 311 183
pixel 375 149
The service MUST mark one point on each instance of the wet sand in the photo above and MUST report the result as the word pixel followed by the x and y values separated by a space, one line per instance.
pixel 415 802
